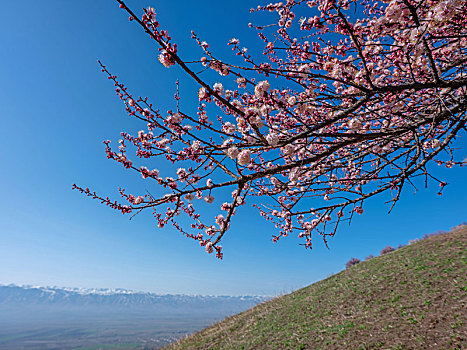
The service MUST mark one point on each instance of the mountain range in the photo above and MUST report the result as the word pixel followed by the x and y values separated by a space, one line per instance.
pixel 36 318
pixel 21 296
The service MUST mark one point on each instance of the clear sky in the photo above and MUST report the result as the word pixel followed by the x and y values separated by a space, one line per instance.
pixel 56 108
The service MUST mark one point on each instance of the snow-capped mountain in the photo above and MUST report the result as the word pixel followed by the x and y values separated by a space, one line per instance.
pixel 33 295
pixel 34 317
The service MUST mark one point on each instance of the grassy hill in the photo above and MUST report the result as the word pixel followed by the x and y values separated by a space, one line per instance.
pixel 412 298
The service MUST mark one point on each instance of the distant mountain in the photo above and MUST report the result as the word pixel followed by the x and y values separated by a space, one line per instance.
pixel 37 318
pixel 13 295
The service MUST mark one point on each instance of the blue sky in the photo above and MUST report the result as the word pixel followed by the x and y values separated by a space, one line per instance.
pixel 56 108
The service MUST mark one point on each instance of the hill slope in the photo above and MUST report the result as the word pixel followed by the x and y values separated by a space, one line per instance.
pixel 412 298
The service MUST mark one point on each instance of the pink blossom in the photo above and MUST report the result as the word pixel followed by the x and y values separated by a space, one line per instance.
pixel 209 248
pixel 194 178
pixel 292 100
pixel 220 220
pixel 275 181
pixel 355 124
pixel 244 157
pixel 210 230
pixel 151 13
pixel 272 139
pixel 195 145
pixel 367 95
pixel 435 143
pixel 228 128
pixel 261 88
pixel 174 118
pixel 219 88
pixel 165 59
pixel 288 149
pixel 209 199
pixel 182 174
pixel 233 152
pixel 138 200
pixel 202 94
pixel 144 172
pixel 225 206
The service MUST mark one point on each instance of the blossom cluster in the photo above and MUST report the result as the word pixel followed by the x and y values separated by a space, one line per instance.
pixel 344 105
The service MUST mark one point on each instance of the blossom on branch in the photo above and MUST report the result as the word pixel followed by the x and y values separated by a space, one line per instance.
pixel 350 100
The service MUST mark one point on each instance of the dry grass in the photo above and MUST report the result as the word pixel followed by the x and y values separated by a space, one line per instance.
pixel 412 298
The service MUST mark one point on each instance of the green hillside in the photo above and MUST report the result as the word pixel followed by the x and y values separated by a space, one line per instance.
pixel 412 298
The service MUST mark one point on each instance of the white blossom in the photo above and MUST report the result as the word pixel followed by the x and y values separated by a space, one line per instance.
pixel 244 157
pixel 272 139
pixel 261 88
